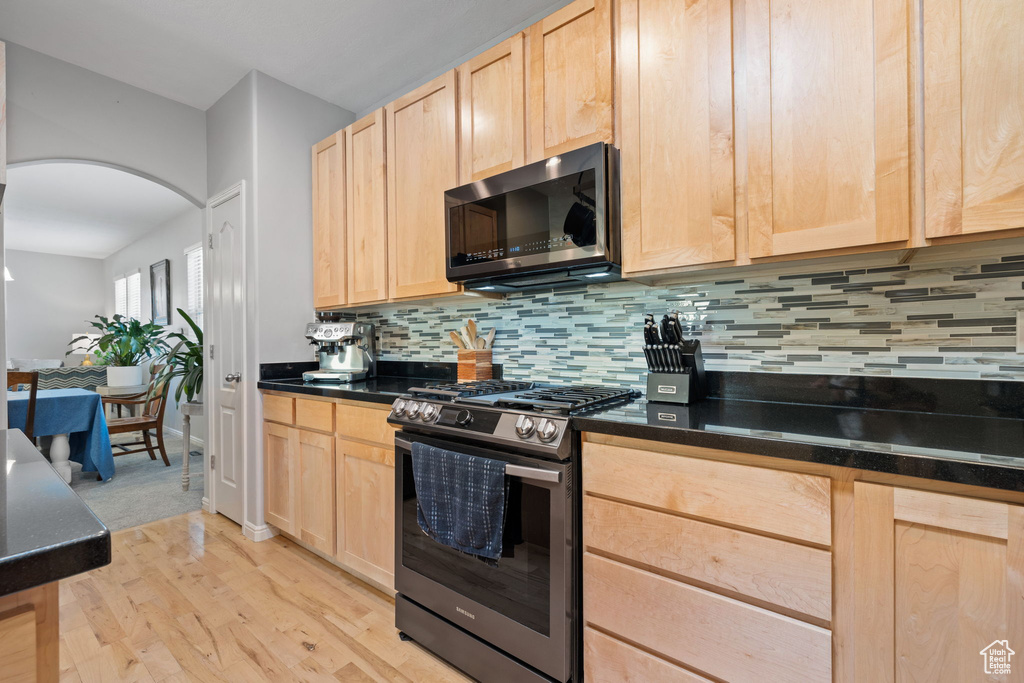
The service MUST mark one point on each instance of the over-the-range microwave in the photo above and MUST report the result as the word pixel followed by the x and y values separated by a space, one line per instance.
pixel 548 224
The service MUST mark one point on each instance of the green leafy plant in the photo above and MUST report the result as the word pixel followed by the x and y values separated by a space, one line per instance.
pixel 124 342
pixel 185 361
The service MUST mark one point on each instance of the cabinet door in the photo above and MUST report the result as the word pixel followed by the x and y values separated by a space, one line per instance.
pixel 973 69
pixel 493 102
pixel 329 278
pixel 422 164
pixel 280 445
pixel 677 133
pixel 316 518
pixel 367 210
pixel 938 579
pixel 570 98
pixel 827 124
pixel 366 517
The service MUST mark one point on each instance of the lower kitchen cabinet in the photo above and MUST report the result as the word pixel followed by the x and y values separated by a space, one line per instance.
pixel 298 475
pixel 702 564
pixel 366 517
pixel 939 578
pixel 329 480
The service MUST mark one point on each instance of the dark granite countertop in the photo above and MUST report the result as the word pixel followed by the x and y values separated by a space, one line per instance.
pixel 962 431
pixel 965 449
pixel 46 532
pixel 376 390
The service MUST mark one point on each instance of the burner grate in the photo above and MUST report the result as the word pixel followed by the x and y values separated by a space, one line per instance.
pixel 451 390
pixel 568 399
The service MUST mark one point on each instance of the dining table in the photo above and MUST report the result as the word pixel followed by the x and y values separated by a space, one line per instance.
pixel 75 421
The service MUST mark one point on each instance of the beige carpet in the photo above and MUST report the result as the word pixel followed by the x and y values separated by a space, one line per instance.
pixel 142 490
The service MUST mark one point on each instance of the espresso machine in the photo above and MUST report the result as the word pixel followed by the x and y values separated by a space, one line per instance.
pixel 347 351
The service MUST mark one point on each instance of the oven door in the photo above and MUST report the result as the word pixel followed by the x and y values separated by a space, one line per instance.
pixel 524 604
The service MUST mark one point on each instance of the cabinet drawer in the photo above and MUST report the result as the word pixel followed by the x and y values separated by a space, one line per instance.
pixel 365 424
pixel 316 415
pixel 607 660
pixel 772 571
pixel 782 503
pixel 385 455
pixel 725 638
pixel 279 409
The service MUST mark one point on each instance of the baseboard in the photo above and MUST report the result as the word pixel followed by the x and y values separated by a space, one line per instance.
pixel 259 532
pixel 192 439
pixel 206 504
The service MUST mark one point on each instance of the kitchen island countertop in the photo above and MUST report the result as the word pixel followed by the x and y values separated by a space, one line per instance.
pixel 46 532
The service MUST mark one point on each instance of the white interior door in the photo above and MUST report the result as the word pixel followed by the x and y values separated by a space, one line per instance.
pixel 225 325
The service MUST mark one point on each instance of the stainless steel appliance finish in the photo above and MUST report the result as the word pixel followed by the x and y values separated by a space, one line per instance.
pixel 547 224
pixel 519 619
pixel 347 351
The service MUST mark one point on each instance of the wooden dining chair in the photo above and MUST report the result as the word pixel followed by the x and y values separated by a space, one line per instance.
pixel 153 403
pixel 18 380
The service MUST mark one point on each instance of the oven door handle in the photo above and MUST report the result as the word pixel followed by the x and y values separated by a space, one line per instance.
pixel 525 473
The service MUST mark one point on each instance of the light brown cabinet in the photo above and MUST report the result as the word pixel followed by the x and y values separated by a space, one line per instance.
pixel 827 105
pixel 329 480
pixel 298 479
pixel 367 224
pixel 676 106
pixel 571 79
pixel 973 73
pixel 492 98
pixel 422 163
pixel 938 579
pixel 329 247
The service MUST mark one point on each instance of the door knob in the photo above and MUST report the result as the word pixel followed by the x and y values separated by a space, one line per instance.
pixel 233 377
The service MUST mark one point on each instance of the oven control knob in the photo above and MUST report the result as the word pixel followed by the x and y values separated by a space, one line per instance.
pixel 464 418
pixel 430 412
pixel 412 410
pixel 525 426
pixel 547 430
pixel 399 407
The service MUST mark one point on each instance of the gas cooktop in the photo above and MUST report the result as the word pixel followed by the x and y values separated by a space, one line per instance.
pixel 526 396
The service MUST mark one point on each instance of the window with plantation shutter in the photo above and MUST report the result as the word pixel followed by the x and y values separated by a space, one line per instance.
pixel 128 295
pixel 135 295
pixel 194 280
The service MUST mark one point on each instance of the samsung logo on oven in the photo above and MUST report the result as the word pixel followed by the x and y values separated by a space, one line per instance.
pixel 462 611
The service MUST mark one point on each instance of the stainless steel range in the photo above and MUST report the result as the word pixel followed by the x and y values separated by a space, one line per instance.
pixel 519 618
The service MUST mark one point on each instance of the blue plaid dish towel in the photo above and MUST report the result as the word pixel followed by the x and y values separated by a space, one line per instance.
pixel 461 499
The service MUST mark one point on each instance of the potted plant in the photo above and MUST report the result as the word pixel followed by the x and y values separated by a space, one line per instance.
pixel 185 362
pixel 124 343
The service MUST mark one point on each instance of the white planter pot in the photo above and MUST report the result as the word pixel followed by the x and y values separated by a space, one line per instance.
pixel 130 376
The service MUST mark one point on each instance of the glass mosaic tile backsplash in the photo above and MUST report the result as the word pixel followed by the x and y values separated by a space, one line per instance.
pixel 933 318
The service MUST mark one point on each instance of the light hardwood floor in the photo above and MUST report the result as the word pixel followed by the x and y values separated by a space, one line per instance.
pixel 190 599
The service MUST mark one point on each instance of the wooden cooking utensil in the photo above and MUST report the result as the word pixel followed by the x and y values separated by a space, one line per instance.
pixel 457 340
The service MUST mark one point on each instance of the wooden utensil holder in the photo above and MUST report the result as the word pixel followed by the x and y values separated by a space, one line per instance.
pixel 475 364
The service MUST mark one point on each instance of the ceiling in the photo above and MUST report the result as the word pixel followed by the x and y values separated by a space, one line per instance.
pixel 82 209
pixel 353 53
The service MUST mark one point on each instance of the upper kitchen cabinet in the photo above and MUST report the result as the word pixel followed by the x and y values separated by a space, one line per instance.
pixel 678 197
pixel 826 106
pixel 570 90
pixel 367 210
pixel 492 96
pixel 422 163
pixel 973 72
pixel 329 264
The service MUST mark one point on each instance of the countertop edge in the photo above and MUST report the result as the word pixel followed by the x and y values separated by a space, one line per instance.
pixel 984 475
pixel 55 563
pixel 327 392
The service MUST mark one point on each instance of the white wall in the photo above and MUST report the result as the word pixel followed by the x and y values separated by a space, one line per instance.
pixel 57 110
pixel 49 301
pixel 261 132
pixel 167 241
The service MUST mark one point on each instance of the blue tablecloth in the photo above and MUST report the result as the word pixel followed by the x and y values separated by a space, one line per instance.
pixel 69 411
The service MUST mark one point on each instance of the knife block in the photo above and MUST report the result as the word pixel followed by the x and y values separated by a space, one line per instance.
pixel 672 387
pixel 475 364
